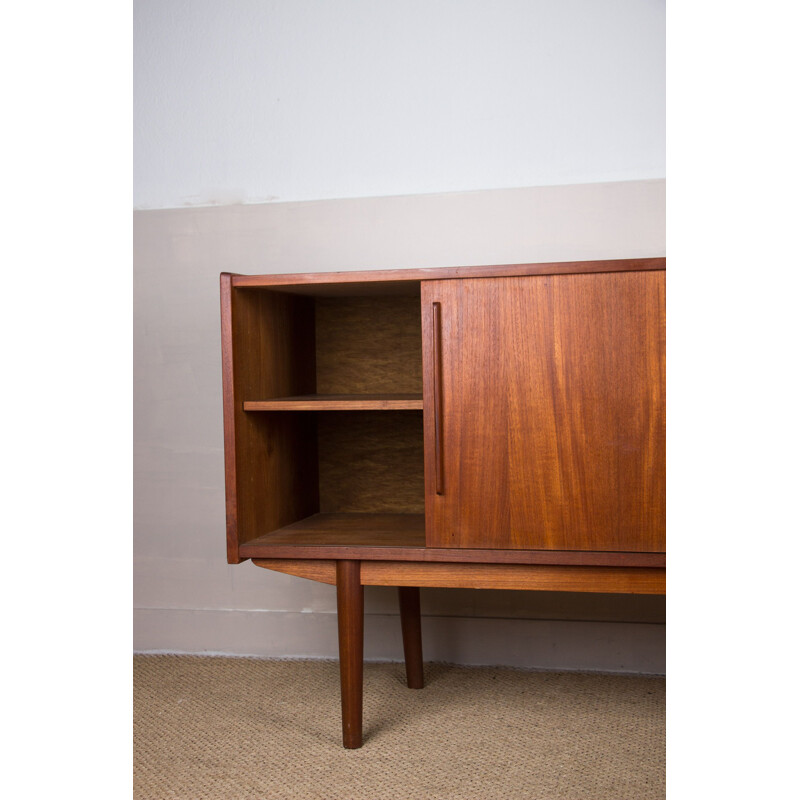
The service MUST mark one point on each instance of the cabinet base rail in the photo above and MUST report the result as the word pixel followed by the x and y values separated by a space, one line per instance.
pixel 350 577
pixel 535 577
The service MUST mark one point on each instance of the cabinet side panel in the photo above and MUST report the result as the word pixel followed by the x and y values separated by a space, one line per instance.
pixel 552 413
pixel 231 504
pixel 276 458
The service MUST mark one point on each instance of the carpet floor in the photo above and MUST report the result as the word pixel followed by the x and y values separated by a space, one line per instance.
pixel 241 728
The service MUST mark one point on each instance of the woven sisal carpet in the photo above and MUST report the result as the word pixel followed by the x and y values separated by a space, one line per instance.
pixel 237 728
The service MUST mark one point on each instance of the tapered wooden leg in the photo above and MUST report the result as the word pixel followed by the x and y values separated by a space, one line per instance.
pixel 350 606
pixel 412 635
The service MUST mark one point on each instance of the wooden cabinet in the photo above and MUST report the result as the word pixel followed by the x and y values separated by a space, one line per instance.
pixel 486 427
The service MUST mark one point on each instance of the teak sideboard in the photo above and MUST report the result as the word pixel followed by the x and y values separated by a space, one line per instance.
pixel 484 427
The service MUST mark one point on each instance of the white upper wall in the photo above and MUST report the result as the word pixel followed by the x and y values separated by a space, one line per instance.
pixel 248 101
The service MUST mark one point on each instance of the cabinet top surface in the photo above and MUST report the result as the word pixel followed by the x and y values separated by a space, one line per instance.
pixel 406 280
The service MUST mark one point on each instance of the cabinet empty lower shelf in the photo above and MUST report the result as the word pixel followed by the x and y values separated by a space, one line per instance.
pixel 401 537
pixel 338 402
pixel 328 535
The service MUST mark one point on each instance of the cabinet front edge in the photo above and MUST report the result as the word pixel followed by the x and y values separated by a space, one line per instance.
pixel 259 550
pixel 445 273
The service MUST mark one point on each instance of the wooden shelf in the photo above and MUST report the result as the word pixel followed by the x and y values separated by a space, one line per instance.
pixel 333 533
pixel 401 537
pixel 338 402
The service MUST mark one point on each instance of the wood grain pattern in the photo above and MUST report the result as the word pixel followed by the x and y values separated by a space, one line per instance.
pixel 388 281
pixel 371 462
pixel 271 354
pixel 411 627
pixel 368 345
pixel 401 537
pixel 350 609
pixel 553 410
pixel 616 580
pixel 530 577
pixel 228 417
pixel 339 402
pixel 355 530
pixel 322 571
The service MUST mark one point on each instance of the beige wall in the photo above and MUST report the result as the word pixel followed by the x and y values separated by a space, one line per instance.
pixel 187 599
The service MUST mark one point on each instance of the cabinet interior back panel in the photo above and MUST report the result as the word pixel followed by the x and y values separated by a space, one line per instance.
pixel 371 462
pixel 368 345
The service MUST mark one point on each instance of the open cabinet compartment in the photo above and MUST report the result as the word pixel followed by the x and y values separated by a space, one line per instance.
pixel 327 409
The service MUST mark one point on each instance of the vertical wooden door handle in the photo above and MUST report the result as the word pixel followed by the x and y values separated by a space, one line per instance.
pixel 437 397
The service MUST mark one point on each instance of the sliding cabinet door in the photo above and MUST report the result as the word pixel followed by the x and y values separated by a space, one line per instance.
pixel 544 412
